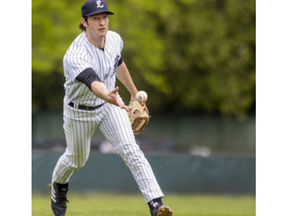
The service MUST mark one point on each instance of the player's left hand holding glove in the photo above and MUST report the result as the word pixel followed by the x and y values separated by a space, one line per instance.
pixel 138 115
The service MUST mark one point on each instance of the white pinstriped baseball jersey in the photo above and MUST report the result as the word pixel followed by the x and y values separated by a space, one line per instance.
pixel 81 55
pixel 112 121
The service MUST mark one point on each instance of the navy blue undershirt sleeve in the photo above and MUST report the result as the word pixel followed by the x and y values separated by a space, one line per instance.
pixel 120 61
pixel 87 77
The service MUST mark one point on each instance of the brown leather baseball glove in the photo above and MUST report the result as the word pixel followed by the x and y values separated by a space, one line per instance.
pixel 138 115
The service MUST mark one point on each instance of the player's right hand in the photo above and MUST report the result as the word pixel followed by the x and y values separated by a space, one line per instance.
pixel 113 98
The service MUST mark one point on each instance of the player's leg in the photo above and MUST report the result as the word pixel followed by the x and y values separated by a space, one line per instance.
pixel 78 135
pixel 116 128
pixel 78 138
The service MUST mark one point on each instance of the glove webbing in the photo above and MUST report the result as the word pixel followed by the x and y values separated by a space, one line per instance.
pixel 139 123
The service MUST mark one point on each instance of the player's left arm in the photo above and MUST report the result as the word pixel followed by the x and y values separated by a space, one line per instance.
pixel 123 75
pixel 125 78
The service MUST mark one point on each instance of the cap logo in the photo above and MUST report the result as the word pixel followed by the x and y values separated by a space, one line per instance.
pixel 98 2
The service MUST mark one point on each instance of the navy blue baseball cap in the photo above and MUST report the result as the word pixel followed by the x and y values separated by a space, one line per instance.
pixel 92 7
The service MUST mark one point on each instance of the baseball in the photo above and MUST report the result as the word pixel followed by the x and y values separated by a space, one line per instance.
pixel 141 96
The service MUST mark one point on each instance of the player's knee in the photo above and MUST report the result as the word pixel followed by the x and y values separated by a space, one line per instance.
pixel 76 162
pixel 79 166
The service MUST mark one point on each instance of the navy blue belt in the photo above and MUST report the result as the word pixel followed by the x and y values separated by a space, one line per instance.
pixel 85 107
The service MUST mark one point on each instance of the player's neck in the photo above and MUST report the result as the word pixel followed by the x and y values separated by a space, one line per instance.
pixel 97 41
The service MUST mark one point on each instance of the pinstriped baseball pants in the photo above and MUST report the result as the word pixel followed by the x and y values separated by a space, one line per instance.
pixel 113 122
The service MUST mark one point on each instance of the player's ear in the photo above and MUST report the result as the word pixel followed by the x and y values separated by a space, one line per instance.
pixel 84 22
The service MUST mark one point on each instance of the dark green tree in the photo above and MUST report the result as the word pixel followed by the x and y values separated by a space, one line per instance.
pixel 189 55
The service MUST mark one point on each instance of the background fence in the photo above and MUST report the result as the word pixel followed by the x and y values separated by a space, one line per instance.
pixel 196 135
pixel 189 154
pixel 175 174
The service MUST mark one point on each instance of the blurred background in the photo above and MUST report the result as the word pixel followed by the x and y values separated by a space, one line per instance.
pixel 196 61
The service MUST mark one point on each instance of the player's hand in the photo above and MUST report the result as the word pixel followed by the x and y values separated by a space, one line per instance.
pixel 114 99
pixel 133 98
pixel 145 108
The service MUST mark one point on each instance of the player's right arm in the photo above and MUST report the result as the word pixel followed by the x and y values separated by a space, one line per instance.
pixel 100 90
pixel 93 82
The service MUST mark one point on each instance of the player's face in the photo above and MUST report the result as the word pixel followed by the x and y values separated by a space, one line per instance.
pixel 98 25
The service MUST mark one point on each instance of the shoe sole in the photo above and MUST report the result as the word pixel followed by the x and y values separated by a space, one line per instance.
pixel 164 211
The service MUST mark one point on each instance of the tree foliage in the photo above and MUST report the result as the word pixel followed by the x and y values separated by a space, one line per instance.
pixel 189 55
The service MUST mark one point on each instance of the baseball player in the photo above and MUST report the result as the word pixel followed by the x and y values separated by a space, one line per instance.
pixel 91 65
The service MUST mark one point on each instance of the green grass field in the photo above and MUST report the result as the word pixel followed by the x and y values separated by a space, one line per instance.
pixel 134 205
